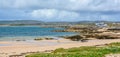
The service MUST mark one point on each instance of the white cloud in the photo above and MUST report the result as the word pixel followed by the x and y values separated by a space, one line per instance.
pixel 61 9
pixel 98 5
pixel 44 13
pixel 54 14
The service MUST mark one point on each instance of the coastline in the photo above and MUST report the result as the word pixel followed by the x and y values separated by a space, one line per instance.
pixel 25 45
pixel 27 38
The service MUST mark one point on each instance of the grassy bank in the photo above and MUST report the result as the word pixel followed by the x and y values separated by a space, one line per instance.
pixel 81 51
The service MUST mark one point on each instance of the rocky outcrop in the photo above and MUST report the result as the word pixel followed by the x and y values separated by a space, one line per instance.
pixel 37 39
pixel 75 37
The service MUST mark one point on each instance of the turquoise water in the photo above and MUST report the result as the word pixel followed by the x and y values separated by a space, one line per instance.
pixel 29 32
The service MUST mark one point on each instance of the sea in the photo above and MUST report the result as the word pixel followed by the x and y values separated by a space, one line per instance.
pixel 8 33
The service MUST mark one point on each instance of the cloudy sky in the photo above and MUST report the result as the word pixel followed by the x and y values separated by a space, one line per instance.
pixel 60 10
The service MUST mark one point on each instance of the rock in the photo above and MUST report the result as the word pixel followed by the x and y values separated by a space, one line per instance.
pixel 75 37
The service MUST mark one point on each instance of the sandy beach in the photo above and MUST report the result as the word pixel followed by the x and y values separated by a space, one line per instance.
pixel 8 48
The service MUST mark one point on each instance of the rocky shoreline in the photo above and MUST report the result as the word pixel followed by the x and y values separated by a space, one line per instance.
pixel 94 32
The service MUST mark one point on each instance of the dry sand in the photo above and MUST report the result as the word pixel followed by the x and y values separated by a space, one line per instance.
pixel 8 48
pixel 113 55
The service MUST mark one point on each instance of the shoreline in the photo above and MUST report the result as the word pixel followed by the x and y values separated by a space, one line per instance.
pixel 16 48
pixel 27 38
pixel 27 44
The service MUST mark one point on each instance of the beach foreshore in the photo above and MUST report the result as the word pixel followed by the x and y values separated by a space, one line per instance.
pixel 8 48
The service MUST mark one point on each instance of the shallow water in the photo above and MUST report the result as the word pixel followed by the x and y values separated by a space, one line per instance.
pixel 29 32
pixel 5 45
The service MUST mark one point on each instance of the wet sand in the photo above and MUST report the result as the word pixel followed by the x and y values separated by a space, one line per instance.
pixel 8 48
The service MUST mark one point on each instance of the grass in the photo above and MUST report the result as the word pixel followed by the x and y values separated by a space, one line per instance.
pixel 90 51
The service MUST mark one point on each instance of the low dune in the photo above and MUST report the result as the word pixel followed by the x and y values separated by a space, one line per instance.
pixel 8 48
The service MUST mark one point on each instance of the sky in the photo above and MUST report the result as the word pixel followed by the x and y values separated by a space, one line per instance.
pixel 60 10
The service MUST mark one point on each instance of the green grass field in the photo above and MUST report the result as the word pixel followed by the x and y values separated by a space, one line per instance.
pixel 81 51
